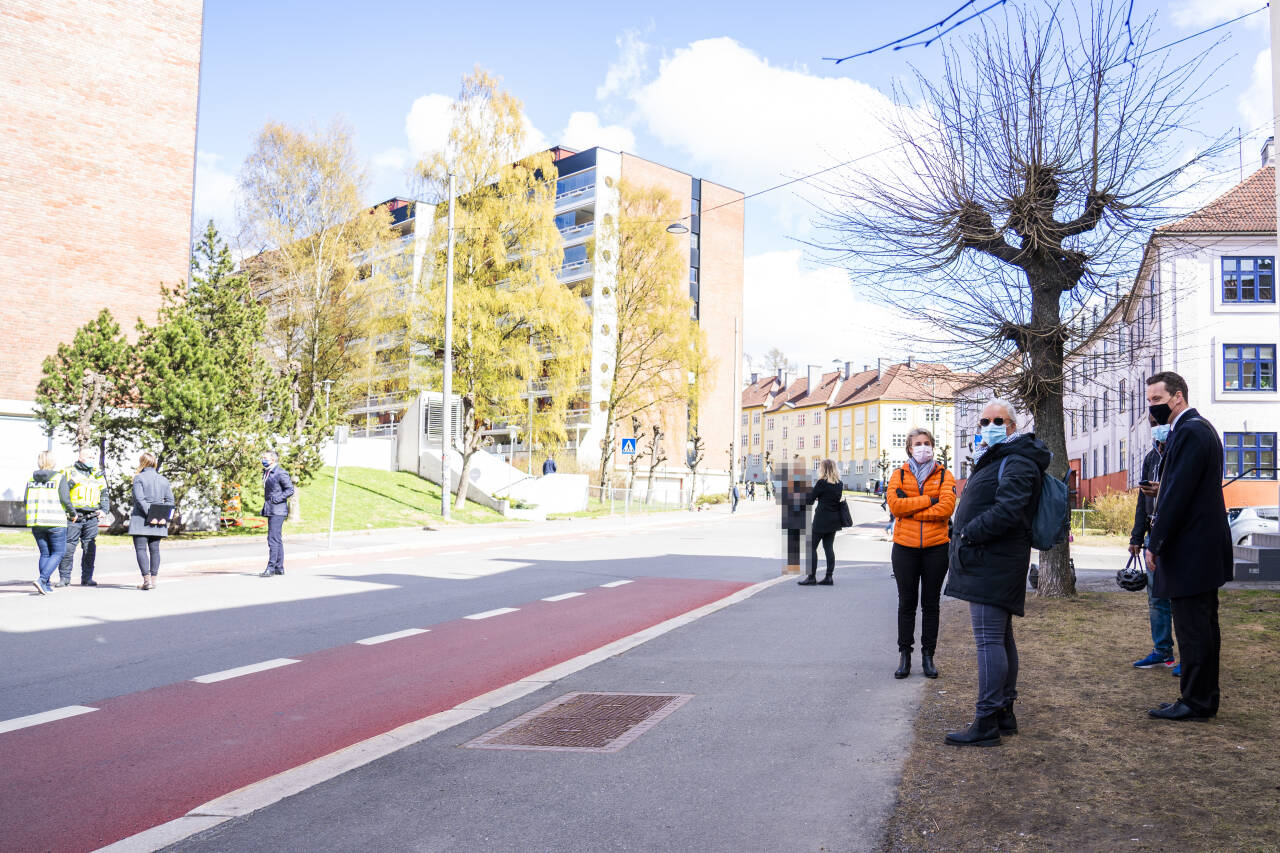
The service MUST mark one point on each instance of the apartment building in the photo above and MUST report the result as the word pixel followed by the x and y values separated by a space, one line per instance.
pixel 757 398
pixel 97 156
pixel 586 200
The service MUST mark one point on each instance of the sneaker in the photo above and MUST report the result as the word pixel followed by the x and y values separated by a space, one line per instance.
pixel 1177 669
pixel 42 588
pixel 1153 660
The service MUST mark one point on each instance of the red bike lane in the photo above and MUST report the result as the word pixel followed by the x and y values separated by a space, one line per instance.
pixel 145 758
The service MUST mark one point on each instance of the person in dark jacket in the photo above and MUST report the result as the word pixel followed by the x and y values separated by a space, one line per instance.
pixel 1158 612
pixel 89 501
pixel 990 555
pixel 1190 554
pixel 48 505
pixel 149 487
pixel 277 488
pixel 826 494
pixel 548 466
pixel 791 497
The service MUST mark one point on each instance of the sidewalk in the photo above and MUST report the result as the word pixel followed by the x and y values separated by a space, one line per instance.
pixel 793 740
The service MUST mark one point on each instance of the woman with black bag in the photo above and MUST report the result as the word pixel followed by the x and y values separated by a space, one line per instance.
pixel 828 494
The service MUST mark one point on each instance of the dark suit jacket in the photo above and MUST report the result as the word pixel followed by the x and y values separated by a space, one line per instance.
pixel 826 515
pixel 277 488
pixel 1189 532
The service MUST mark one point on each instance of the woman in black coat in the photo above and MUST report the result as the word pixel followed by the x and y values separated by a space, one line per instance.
pixel 827 494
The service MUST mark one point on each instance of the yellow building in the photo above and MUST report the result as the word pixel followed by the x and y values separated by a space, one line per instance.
pixel 757 397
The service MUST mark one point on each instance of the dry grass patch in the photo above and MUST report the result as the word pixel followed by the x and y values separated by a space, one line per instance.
pixel 1089 770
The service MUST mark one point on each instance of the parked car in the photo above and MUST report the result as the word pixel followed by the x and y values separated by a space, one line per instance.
pixel 1246 520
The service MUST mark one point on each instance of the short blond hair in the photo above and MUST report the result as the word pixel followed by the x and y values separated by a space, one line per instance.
pixel 827 471
pixel 145 461
pixel 46 461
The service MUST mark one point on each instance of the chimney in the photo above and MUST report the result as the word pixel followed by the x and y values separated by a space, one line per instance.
pixel 911 362
pixel 865 368
pixel 814 374
pixel 848 369
pixel 1269 151
pixel 755 377
pixel 879 370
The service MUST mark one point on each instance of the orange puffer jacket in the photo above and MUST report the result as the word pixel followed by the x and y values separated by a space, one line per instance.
pixel 921 517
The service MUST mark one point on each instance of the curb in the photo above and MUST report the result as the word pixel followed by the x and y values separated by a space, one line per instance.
pixel 273 789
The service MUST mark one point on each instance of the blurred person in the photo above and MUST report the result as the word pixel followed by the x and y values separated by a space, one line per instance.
pixel 1189 553
pixel 791 497
pixel 921 498
pixel 733 498
pixel 827 493
pixel 149 487
pixel 89 500
pixel 989 557
pixel 1159 613
pixel 548 466
pixel 48 505
pixel 277 488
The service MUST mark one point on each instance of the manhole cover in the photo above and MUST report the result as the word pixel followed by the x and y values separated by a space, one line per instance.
pixel 583 722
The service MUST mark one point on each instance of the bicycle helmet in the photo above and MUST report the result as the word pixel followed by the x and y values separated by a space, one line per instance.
pixel 1132 577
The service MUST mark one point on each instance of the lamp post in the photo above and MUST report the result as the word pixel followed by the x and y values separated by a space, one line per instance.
pixel 446 382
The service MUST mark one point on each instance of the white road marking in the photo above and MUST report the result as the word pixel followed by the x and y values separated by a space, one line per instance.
pixel 564 596
pixel 489 613
pixel 614 583
pixel 243 670
pixel 44 717
pixel 395 635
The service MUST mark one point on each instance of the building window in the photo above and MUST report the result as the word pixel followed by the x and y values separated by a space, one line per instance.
pixel 873 413
pixel 755 439
pixel 755 417
pixel 784 435
pixel 1248 367
pixel 1120 395
pixel 835 445
pixel 1106 405
pixel 744 420
pixel 799 442
pixel 1246 450
pixel 768 446
pixel 1248 279
pixel 899 439
pixel 846 443
pixel 872 439
pixel 1084 466
pixel 1095 414
pixel 800 419
pixel 817 441
pixel 768 425
pixel 1106 463
pixel 899 414
pixel 857 417
pixel 1096 469
pixel 817 418
pixel 1071 418
pixel 1121 458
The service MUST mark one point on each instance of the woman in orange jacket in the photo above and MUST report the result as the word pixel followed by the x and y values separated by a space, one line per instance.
pixel 922 496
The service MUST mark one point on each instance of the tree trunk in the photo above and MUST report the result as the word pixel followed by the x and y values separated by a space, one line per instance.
pixel 463 477
pixel 606 447
pixel 1046 348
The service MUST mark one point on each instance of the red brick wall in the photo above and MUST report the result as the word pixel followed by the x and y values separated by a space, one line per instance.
pixel 97 147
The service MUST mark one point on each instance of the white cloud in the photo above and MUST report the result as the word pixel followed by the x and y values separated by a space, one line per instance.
pixel 429 119
pixel 813 314
pixel 585 131
pixel 391 159
pixel 628 70
pixel 1255 102
pixel 215 196
pixel 753 122
pixel 1197 14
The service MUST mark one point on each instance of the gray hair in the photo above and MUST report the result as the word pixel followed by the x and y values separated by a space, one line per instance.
pixel 272 455
pixel 1006 405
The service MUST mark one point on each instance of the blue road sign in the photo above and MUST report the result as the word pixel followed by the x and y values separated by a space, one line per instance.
pixel 628 447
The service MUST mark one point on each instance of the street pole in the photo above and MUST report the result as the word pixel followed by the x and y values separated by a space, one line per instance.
pixel 529 439
pixel 338 437
pixel 446 384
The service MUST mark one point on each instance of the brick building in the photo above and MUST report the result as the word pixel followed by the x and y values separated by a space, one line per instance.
pixel 97 158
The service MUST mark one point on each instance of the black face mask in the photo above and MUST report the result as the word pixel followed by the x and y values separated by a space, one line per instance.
pixel 1160 412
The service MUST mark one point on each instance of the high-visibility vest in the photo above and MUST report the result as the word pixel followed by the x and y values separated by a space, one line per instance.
pixel 44 508
pixel 86 488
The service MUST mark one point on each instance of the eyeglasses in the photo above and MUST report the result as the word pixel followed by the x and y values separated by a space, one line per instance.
pixel 990 421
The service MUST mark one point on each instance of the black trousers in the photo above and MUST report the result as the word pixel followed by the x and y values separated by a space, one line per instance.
pixel 919 573
pixel 275 543
pixel 793 547
pixel 1195 623
pixel 828 541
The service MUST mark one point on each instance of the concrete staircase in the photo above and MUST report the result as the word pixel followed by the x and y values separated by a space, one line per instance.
pixel 1260 559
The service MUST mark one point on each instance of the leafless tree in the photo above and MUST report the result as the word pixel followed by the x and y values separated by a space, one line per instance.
pixel 1026 179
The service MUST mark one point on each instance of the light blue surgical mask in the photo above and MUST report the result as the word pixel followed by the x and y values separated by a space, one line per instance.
pixel 993 434
pixel 1160 432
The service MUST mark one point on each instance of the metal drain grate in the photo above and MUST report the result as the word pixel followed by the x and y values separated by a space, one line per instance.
pixel 583 722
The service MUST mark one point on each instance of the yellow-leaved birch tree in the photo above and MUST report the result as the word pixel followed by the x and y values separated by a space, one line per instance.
pixel 514 324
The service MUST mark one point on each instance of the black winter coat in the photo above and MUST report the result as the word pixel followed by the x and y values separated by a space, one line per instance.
pixel 1146 505
pixel 991 530
pixel 794 509
pixel 826 515
pixel 1190 535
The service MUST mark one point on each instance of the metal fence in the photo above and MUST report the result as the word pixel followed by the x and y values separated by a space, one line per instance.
pixel 625 502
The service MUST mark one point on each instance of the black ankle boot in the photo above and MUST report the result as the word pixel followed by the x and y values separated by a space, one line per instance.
pixel 1006 721
pixel 826 579
pixel 926 665
pixel 904 666
pixel 808 580
pixel 983 731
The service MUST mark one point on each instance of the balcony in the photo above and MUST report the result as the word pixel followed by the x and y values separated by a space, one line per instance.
pixel 574 197
pixel 575 271
pixel 577 233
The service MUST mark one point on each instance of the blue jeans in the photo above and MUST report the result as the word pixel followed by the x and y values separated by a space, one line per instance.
pixel 997 657
pixel 52 542
pixel 1161 614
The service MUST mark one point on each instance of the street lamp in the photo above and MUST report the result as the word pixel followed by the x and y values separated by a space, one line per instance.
pixel 677 228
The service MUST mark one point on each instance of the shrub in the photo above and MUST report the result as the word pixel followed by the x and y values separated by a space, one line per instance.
pixel 1113 512
pixel 717 498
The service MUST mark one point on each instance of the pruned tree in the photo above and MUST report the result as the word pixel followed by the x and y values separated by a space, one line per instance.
pixel 657 454
pixel 320 272
pixel 654 342
pixel 1026 179
pixel 516 329
pixel 693 457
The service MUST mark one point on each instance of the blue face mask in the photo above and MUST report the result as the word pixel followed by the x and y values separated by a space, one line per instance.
pixel 992 434
pixel 1161 432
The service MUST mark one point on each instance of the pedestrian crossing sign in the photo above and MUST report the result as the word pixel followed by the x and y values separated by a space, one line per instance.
pixel 628 447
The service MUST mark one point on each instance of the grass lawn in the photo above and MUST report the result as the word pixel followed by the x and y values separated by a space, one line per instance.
pixel 597 508
pixel 367 499
pixel 1089 770
pixel 1099 538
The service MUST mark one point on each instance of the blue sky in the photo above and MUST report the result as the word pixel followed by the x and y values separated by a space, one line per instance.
pixel 736 92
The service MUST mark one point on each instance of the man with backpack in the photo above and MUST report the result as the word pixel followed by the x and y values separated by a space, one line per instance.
pixel 994 527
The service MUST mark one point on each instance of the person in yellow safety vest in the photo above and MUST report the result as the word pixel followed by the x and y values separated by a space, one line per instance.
pixel 48 500
pixel 89 500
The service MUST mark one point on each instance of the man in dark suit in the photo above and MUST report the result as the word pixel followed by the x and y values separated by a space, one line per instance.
pixel 1190 554
pixel 277 488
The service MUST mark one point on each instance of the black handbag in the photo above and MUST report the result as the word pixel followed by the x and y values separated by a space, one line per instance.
pixel 846 516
